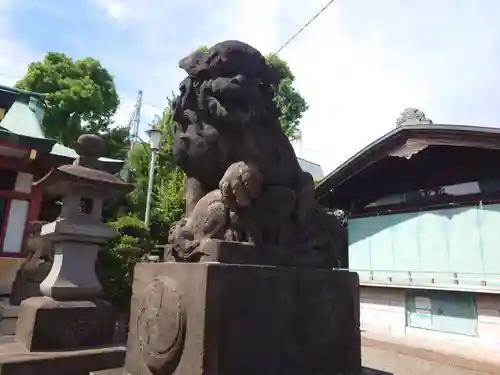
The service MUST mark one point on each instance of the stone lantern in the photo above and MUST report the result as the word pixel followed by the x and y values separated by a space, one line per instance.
pixel 79 231
pixel 69 314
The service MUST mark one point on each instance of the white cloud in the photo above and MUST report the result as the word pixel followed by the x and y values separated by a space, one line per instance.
pixel 118 9
pixel 358 65
pixel 361 63
pixel 353 98
pixel 122 117
pixel 127 107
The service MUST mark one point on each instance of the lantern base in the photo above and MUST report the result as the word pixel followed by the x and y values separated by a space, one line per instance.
pixel 46 324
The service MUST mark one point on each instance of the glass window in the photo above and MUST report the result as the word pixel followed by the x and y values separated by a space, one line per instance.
pixel 14 232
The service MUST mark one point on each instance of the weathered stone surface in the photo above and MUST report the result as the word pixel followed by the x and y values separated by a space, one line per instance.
pixel 8 317
pixel 46 324
pixel 244 182
pixel 210 250
pixel 35 267
pixel 213 318
pixel 27 283
pixel 16 360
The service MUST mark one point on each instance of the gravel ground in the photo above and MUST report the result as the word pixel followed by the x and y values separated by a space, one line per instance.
pixel 399 364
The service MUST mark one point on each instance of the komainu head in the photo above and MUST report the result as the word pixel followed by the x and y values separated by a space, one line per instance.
pixel 225 110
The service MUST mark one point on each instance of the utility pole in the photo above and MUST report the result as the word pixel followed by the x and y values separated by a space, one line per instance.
pixel 135 120
pixel 133 131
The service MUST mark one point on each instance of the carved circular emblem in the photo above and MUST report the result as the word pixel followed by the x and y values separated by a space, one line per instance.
pixel 161 325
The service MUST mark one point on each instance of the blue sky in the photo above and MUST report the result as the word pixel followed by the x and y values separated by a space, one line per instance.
pixel 358 65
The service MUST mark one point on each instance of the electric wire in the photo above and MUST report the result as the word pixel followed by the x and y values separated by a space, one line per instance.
pixel 304 27
pixel 307 24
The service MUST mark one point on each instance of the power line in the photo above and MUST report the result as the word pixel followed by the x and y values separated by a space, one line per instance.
pixel 304 27
pixel 275 53
pixel 143 102
pixel 9 76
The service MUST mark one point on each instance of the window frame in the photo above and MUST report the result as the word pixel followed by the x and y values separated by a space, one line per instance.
pixel 432 202
pixel 10 196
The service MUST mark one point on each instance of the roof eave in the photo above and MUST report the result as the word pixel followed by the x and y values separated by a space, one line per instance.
pixel 40 144
pixel 20 92
pixel 382 146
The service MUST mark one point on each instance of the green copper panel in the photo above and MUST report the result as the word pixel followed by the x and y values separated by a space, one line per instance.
pixel 489 234
pixel 381 247
pixel 441 244
pixel 406 228
pixel 465 244
pixel 359 247
pixel 433 246
pixel 21 120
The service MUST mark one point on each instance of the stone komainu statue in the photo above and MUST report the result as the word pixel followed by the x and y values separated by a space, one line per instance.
pixel 244 182
pixel 35 267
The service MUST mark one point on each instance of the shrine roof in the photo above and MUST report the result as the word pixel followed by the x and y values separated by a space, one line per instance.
pixel 21 124
pixel 409 154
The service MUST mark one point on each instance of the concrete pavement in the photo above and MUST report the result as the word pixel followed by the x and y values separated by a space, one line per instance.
pixel 394 363
pixel 476 358
pixel 392 355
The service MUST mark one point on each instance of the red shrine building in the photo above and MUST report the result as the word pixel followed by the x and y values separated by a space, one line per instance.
pixel 25 156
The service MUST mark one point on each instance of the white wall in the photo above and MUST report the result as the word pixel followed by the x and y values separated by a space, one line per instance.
pixel 383 310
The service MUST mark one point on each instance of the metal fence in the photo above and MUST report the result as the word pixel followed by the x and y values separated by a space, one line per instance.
pixel 465 281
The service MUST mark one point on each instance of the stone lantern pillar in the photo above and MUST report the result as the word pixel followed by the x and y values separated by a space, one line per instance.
pixel 69 315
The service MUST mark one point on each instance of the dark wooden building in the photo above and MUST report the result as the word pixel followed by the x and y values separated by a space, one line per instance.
pixel 423 205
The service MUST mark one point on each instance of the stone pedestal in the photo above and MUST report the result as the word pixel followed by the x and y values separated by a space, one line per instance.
pixel 16 360
pixel 46 324
pixel 214 318
pixel 8 317
pixel 27 283
pixel 61 338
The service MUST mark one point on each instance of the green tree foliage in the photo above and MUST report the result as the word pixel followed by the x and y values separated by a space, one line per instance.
pixel 290 103
pixel 116 140
pixel 80 96
pixel 115 265
pixel 168 188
